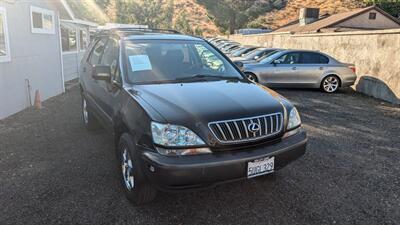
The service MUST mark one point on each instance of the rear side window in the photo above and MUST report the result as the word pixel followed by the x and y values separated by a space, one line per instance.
pixel 97 52
pixel 313 58
pixel 110 58
pixel 290 58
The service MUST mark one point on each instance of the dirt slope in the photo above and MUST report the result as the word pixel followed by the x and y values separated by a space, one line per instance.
pixel 196 16
pixel 281 17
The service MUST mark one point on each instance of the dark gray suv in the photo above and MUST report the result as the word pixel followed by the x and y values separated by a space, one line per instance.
pixel 183 116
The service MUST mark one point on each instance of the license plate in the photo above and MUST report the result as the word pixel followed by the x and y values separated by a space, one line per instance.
pixel 260 167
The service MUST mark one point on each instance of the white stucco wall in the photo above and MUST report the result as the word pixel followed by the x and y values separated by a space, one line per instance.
pixel 35 57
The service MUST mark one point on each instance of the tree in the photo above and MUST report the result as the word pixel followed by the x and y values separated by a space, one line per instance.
pixel 154 13
pixel 103 4
pixel 233 14
pixel 390 6
pixel 182 24
pixel 198 31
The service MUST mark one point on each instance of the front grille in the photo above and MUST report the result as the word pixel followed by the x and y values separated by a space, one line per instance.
pixel 240 130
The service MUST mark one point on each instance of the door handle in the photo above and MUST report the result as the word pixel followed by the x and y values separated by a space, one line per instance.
pixel 294 68
pixel 321 68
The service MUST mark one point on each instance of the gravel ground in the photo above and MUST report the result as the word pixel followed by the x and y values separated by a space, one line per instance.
pixel 53 171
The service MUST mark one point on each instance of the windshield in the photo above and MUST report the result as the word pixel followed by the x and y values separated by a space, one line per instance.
pixel 237 51
pixel 241 51
pixel 151 61
pixel 268 57
pixel 251 55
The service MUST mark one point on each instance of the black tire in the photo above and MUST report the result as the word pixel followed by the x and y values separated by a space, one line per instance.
pixel 330 84
pixel 90 121
pixel 141 191
pixel 252 77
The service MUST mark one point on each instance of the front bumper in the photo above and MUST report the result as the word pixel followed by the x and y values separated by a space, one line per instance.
pixel 199 171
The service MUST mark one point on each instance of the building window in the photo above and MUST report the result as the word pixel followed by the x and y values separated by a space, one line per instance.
pixel 372 16
pixel 83 39
pixel 42 21
pixel 4 44
pixel 68 38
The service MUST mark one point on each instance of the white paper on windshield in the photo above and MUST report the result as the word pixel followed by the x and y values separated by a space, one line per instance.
pixel 140 63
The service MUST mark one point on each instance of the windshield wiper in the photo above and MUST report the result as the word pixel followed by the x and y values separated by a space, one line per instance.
pixel 204 77
pixel 197 77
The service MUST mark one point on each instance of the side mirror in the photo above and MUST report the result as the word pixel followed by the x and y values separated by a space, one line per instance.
pixel 239 65
pixel 256 57
pixel 102 73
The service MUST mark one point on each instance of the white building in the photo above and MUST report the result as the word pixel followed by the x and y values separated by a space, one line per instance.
pixel 41 44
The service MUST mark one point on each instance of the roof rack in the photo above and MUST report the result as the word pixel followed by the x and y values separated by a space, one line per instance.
pixel 127 30
pixel 149 30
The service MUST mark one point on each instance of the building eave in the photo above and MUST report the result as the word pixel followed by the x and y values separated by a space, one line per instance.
pixel 81 22
pixel 73 18
pixel 68 9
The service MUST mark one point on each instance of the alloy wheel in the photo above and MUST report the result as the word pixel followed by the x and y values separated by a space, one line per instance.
pixel 127 170
pixel 251 77
pixel 330 84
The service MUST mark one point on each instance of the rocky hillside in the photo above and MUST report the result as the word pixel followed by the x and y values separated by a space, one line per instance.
pixel 290 12
pixel 199 15
pixel 214 17
pixel 196 15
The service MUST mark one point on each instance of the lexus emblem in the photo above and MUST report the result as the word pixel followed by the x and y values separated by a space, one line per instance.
pixel 253 127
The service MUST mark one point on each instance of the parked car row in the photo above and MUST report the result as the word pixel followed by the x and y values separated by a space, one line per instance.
pixel 288 68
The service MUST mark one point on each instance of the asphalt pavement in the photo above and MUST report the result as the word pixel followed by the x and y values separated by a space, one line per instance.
pixel 53 171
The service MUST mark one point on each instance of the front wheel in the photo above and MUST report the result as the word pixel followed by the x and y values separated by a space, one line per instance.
pixel 251 77
pixel 137 189
pixel 90 121
pixel 330 84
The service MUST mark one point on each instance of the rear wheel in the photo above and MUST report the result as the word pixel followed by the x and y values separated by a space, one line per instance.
pixel 330 84
pixel 137 189
pixel 90 121
pixel 251 77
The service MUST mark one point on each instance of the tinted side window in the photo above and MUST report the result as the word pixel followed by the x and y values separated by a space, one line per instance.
pixel 313 58
pixel 323 59
pixel 110 55
pixel 98 49
pixel 110 58
pixel 290 58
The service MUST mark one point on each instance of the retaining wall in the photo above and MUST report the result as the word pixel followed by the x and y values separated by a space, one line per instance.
pixel 376 55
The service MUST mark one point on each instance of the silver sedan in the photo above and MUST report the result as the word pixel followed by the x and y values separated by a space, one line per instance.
pixel 299 68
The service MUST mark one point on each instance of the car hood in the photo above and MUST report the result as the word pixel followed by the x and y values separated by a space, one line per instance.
pixel 199 103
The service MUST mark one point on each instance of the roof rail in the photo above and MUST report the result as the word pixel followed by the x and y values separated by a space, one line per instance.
pixel 150 30
pixel 144 30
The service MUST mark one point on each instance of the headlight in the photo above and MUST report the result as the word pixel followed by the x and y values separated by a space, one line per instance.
pixel 174 136
pixel 294 119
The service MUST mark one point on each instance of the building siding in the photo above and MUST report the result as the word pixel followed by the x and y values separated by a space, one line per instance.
pixel 34 57
pixel 362 21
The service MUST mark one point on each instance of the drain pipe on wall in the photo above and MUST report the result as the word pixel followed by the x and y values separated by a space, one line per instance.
pixel 29 88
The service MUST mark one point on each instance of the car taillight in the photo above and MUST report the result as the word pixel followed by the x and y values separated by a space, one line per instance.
pixel 353 68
